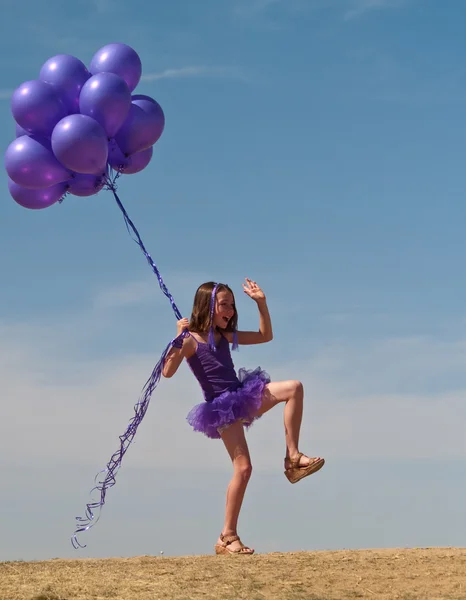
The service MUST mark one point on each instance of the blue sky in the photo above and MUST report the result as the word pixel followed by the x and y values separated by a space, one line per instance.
pixel 315 146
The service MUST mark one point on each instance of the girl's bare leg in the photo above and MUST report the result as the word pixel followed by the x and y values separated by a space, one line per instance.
pixel 235 442
pixel 292 393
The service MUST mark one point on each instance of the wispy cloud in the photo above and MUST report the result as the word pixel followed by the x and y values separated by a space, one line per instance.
pixel 225 72
pixel 128 294
pixel 252 7
pixel 143 291
pixel 351 8
pixel 360 7
pixel 103 7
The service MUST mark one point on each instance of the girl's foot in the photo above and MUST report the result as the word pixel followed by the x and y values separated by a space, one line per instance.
pixel 231 544
pixel 300 466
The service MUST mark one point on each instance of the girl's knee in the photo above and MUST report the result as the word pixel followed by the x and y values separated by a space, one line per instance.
pixel 244 470
pixel 297 388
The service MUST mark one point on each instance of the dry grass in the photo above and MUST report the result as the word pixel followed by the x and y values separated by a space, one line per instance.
pixel 435 573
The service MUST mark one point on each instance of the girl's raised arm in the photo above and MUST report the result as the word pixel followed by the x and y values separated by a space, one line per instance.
pixel 265 333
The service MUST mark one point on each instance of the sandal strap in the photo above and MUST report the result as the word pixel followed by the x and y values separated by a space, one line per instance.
pixel 294 462
pixel 229 539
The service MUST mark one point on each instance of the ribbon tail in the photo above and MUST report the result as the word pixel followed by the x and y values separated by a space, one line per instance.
pixel 93 509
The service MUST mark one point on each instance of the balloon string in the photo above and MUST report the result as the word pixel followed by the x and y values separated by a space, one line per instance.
pixel 140 408
pixel 132 229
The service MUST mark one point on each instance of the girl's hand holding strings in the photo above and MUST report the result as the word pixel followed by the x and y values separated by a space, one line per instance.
pixel 253 290
pixel 181 325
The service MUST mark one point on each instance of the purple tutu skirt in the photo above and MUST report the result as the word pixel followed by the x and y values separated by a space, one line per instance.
pixel 241 404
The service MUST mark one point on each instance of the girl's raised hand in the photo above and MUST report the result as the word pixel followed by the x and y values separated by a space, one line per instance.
pixel 253 290
pixel 181 325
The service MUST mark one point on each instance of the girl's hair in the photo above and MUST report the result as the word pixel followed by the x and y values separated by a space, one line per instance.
pixel 200 321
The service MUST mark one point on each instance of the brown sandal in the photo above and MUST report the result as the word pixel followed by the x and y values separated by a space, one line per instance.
pixel 295 472
pixel 226 541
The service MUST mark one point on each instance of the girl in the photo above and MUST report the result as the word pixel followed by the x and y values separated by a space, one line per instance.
pixel 233 402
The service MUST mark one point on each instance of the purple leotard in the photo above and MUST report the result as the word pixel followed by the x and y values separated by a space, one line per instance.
pixel 214 371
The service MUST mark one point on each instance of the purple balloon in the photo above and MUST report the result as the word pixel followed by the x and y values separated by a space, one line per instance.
pixel 20 131
pixel 30 163
pixel 37 107
pixel 128 165
pixel 45 141
pixel 143 101
pixel 81 144
pixel 37 199
pixel 85 185
pixel 143 126
pixel 106 98
pixel 119 59
pixel 67 74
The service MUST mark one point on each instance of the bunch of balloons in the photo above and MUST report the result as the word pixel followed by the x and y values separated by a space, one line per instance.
pixel 73 123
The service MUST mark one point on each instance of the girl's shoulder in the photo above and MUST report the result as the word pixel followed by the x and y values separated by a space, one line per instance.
pixel 189 346
pixel 199 338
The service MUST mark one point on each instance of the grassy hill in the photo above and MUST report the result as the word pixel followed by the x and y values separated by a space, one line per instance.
pixel 407 574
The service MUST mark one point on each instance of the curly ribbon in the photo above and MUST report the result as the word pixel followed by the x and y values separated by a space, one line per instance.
pixel 140 408
pixel 114 464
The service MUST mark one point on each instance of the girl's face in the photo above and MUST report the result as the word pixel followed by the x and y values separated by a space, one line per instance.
pixel 224 309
